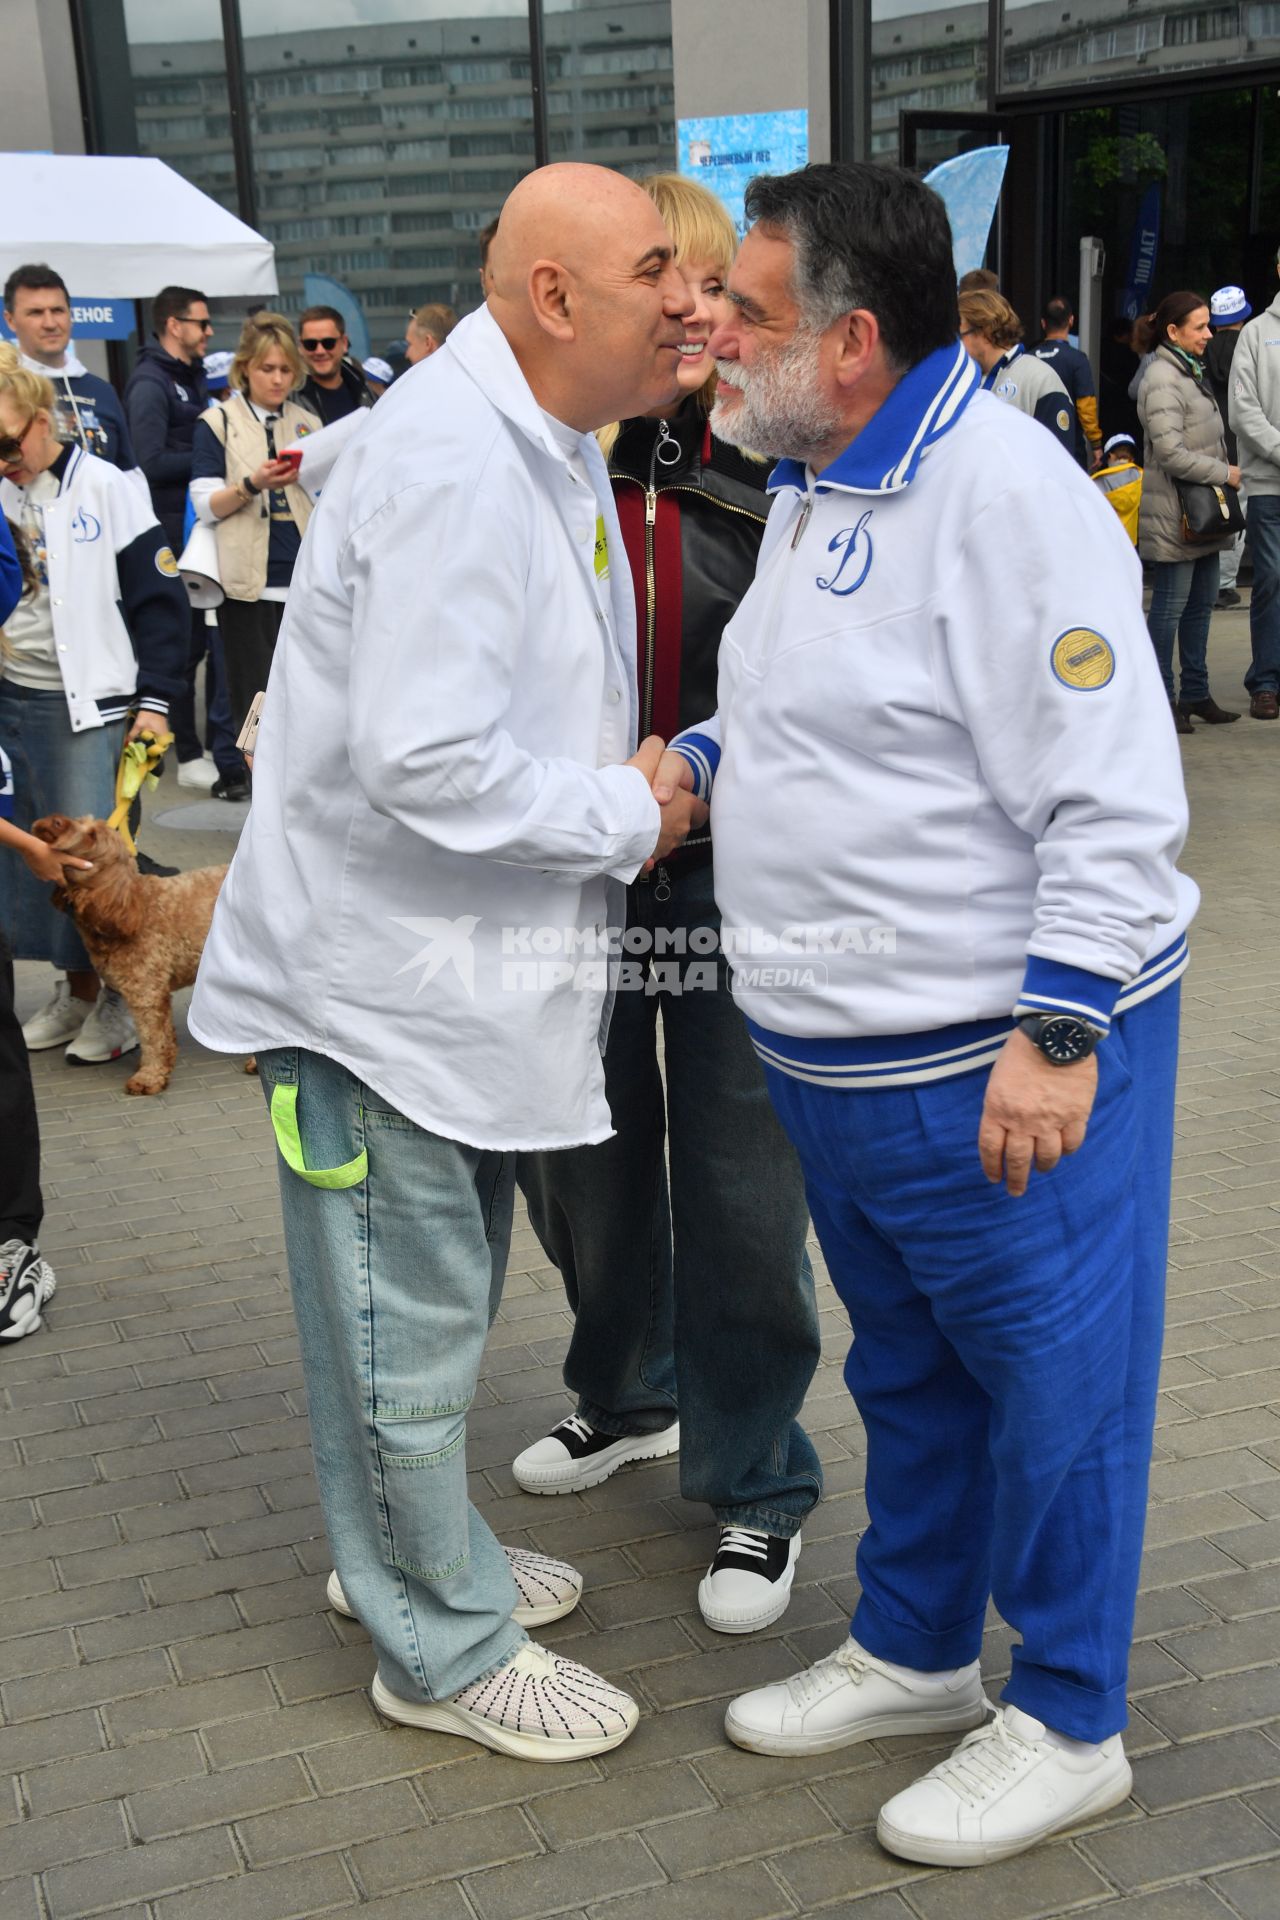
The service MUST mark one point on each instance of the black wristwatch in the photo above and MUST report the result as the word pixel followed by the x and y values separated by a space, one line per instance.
pixel 1061 1038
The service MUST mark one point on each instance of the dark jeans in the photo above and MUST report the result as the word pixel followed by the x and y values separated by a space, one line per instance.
pixel 697 1293
pixel 1263 521
pixel 1182 597
pixel 183 718
pixel 21 1205
pixel 249 631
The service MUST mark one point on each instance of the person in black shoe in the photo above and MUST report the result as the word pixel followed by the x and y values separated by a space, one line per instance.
pixel 693 1292
pixel 163 400
pixel 26 1281
pixel 242 487
pixel 1228 311
pixel 1185 440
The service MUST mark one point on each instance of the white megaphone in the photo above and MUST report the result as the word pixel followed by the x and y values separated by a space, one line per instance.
pixel 198 568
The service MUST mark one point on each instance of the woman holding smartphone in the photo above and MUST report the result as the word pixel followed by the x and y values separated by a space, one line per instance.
pixel 242 486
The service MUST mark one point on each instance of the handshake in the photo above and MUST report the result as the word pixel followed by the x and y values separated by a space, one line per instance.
pixel 671 778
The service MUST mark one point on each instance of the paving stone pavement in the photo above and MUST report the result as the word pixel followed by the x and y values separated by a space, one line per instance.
pixel 188 1727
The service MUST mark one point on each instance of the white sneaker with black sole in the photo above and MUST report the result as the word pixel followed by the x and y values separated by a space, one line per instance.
pixel 548 1589
pixel 1008 1786
pixel 26 1288
pixel 748 1584
pixel 59 1020
pixel 573 1456
pixel 536 1706
pixel 108 1033
pixel 851 1696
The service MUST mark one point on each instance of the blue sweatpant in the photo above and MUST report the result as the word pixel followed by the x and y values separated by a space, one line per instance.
pixel 1004 1361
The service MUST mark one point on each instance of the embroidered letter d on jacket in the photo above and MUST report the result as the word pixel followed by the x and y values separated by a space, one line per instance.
pixel 854 546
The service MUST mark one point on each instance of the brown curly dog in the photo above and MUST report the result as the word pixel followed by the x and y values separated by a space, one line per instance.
pixel 144 934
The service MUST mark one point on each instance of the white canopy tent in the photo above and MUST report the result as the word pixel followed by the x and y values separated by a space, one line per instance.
pixel 125 227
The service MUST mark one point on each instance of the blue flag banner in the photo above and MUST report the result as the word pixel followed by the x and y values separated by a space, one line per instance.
pixel 1144 251
pixel 970 188
pixel 724 152
pixel 95 319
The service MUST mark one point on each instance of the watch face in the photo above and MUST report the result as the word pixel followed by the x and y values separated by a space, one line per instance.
pixel 1065 1040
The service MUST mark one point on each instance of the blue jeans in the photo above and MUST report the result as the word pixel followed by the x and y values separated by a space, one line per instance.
pixel 1263 520
pixel 697 1294
pixel 55 770
pixel 1005 1362
pixel 1182 597
pixel 395 1278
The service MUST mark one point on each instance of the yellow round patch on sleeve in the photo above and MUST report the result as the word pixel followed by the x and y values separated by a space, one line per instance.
pixel 1064 419
pixel 1082 659
pixel 165 562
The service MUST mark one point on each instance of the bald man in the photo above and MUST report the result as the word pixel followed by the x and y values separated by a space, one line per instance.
pixel 448 802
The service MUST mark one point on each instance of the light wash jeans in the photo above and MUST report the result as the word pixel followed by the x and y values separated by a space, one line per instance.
pixel 55 770
pixel 397 1268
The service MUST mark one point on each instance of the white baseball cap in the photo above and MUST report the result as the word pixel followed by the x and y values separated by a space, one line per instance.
pixel 1227 306
pixel 379 370
pixel 217 370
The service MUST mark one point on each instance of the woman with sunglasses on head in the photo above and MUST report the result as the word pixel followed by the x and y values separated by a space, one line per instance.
pixel 104 632
pixel 692 1289
pixel 242 487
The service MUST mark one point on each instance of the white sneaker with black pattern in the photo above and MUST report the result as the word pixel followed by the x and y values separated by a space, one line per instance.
pixel 26 1287
pixel 548 1588
pixel 535 1706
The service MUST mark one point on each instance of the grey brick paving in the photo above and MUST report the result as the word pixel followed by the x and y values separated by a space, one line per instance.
pixel 187 1727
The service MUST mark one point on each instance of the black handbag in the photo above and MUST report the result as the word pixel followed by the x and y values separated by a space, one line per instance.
pixel 1209 512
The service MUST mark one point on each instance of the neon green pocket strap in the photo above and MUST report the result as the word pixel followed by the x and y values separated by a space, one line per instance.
pixel 284 1118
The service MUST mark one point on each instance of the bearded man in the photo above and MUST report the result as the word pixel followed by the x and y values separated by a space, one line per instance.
pixel 944 787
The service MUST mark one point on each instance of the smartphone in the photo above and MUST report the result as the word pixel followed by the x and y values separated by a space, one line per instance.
pixel 293 455
pixel 253 720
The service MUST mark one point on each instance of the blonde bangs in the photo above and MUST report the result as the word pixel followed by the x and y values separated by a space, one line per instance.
pixel 698 223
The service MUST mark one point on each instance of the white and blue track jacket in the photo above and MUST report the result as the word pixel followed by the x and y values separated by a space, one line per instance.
pixel 944 778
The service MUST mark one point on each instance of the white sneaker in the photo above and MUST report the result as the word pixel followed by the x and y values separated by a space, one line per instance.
pixel 26 1286
pixel 108 1032
pixel 573 1456
pixel 536 1706
pixel 1005 1788
pixel 748 1584
pixel 197 773
pixel 852 1696
pixel 58 1021
pixel 548 1589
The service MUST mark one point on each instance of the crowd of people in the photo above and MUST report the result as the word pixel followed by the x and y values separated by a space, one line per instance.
pixel 899 887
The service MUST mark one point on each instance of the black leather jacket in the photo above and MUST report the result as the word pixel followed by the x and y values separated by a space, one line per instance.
pixel 692 511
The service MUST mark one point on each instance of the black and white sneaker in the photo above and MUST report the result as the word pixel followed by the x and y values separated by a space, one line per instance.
pixel 748 1584
pixel 26 1287
pixel 574 1456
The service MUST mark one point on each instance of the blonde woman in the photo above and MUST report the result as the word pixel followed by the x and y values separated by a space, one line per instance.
pixel 693 1292
pixel 99 647
pixel 241 486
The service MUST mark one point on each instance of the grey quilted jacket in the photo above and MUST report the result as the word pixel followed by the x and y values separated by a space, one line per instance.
pixel 1184 441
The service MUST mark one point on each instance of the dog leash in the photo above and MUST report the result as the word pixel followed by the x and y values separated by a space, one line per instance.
pixel 136 770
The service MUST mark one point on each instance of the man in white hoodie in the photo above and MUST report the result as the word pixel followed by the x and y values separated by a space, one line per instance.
pixel 37 311
pixel 445 773
pixel 947 805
